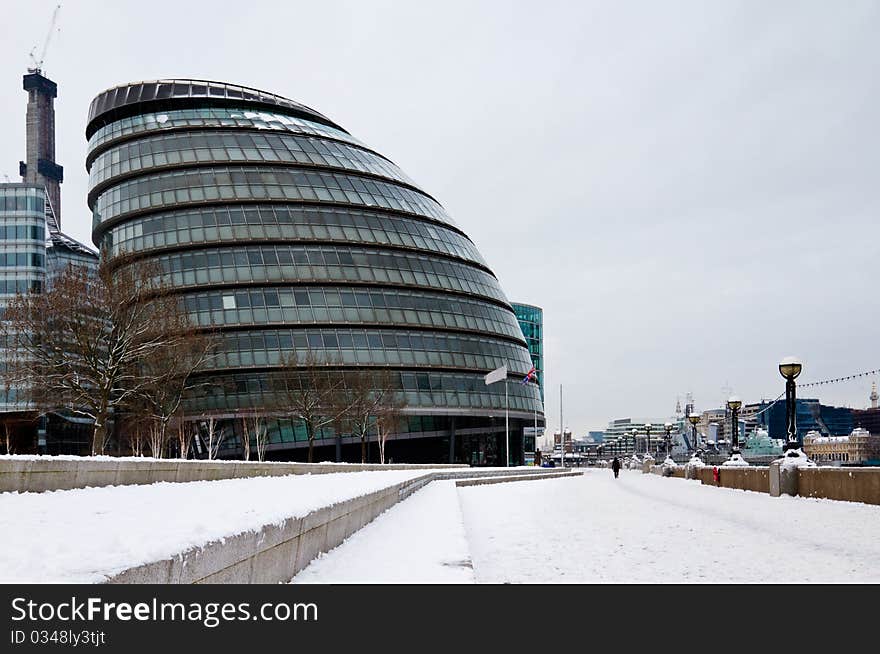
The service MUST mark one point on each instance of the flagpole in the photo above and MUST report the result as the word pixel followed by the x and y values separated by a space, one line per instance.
pixel 506 428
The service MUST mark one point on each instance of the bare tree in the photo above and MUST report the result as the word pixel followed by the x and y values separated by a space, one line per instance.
pixel 214 436
pixel 389 417
pixel 156 435
pixel 81 345
pixel 245 439
pixel 7 436
pixel 171 374
pixel 261 436
pixel 364 394
pixel 309 392
pixel 134 427
pixel 185 435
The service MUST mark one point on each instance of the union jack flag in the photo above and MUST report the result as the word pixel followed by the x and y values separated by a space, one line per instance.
pixel 530 375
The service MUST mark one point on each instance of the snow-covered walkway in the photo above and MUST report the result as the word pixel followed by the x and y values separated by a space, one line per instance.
pixel 595 529
pixel 646 529
pixel 85 535
pixel 419 540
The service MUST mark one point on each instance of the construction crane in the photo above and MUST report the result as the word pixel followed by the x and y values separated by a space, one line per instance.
pixel 38 63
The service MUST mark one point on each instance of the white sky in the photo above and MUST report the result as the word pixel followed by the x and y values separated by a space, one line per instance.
pixel 688 189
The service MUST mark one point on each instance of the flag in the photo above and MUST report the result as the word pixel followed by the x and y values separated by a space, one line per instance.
pixel 496 375
pixel 529 375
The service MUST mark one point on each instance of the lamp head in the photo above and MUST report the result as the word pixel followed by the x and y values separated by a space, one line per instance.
pixel 694 418
pixel 734 403
pixel 790 367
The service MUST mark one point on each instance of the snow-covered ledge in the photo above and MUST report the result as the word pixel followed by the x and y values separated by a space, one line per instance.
pixel 36 474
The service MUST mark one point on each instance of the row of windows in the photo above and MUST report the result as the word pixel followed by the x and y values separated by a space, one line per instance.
pixel 232 147
pixel 184 88
pixel 429 389
pixel 378 347
pixel 383 306
pixel 287 430
pixel 31 200
pixel 304 223
pixel 302 264
pixel 213 118
pixel 22 232
pixel 13 286
pixel 223 183
pixel 22 260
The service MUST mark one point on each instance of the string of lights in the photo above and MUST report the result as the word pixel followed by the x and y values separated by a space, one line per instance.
pixel 840 379
pixel 820 383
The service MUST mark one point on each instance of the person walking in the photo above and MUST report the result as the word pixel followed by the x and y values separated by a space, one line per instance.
pixel 615 466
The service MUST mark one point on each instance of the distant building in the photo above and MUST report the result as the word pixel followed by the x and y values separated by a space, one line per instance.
pixel 33 252
pixel 531 321
pixel 720 420
pixel 869 418
pixel 810 415
pixel 22 257
pixel 619 439
pixel 858 447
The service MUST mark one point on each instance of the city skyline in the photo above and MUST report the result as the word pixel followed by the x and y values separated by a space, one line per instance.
pixel 697 206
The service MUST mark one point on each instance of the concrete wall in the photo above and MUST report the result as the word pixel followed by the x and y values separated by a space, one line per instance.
pixel 850 484
pixel 503 479
pixel 277 552
pixel 753 478
pixel 847 484
pixel 27 474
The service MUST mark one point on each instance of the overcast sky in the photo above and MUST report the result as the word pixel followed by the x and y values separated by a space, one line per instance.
pixel 689 189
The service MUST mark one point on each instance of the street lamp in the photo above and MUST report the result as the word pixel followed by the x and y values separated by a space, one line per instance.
pixel 668 438
pixel 648 426
pixel 694 418
pixel 790 368
pixel 734 404
pixel 635 433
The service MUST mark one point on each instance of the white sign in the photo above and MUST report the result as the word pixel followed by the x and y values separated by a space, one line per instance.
pixel 496 375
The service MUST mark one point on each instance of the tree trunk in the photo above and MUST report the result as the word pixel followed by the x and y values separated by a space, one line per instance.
pixel 99 435
pixel 310 432
pixel 363 448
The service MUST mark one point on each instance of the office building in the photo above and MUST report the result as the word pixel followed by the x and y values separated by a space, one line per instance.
pixel 297 242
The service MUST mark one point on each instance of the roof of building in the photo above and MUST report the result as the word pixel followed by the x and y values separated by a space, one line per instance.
pixel 60 240
pixel 129 99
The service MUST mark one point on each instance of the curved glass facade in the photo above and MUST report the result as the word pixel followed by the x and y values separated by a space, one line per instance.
pixel 296 241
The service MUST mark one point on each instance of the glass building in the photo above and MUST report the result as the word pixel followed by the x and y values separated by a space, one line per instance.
pixel 22 259
pixel 280 229
pixel 531 322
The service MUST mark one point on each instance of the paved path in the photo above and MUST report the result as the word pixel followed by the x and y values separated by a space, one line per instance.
pixel 645 528
pixel 419 540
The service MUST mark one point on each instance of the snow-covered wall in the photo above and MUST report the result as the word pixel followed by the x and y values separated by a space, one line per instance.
pixel 37 474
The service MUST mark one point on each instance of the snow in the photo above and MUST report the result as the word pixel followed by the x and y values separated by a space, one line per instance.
pixel 594 528
pixel 735 461
pixel 795 458
pixel 85 535
pixel 419 540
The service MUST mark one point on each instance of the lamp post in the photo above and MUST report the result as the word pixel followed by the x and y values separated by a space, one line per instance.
pixel 694 418
pixel 635 433
pixel 648 426
pixel 790 368
pixel 668 438
pixel 734 404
